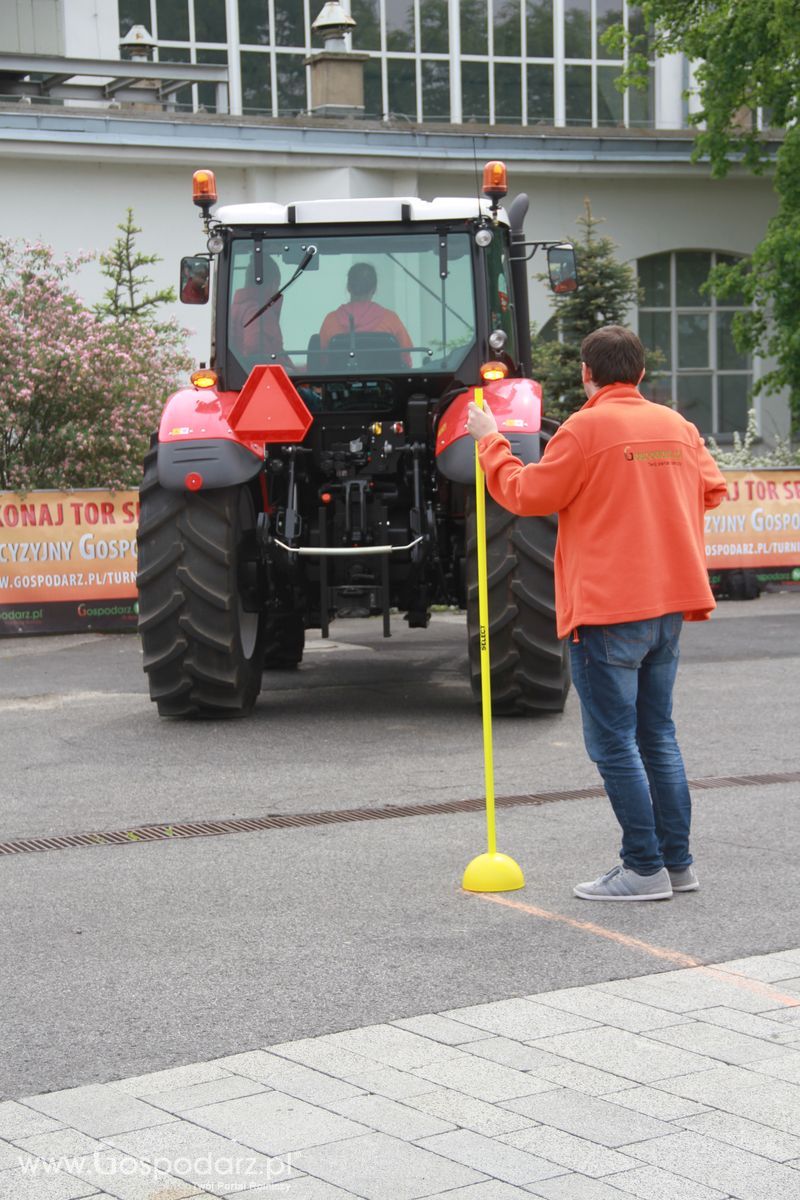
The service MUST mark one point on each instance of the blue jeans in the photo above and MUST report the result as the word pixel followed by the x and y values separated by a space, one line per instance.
pixel 624 675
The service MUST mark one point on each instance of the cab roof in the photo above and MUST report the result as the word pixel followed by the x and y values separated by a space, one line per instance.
pixel 359 211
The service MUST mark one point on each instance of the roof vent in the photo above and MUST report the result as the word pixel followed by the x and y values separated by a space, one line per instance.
pixel 138 44
pixel 332 24
pixel 337 74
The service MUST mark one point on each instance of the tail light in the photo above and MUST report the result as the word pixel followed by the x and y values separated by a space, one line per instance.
pixel 493 370
pixel 203 378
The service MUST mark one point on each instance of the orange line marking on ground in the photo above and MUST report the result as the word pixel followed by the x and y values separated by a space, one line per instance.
pixel 752 985
pixel 624 939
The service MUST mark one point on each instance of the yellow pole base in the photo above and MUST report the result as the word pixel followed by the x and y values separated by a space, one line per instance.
pixel 493 873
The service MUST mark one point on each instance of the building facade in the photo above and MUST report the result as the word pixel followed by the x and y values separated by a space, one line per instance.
pixel 517 62
pixel 446 83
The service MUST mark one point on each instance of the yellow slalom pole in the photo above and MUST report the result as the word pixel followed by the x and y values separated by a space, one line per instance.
pixel 483 622
pixel 490 872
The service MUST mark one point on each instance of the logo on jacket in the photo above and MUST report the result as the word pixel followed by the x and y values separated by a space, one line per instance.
pixel 654 458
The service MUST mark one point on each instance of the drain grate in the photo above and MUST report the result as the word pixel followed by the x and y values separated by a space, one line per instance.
pixel 345 816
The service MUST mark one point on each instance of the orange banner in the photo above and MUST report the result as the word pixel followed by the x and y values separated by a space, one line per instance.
pixel 758 525
pixel 67 560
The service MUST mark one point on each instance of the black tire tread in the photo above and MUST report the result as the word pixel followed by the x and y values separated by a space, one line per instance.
pixel 188 608
pixel 529 664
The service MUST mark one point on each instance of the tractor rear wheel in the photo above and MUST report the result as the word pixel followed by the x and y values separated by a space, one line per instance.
pixel 529 665
pixel 202 639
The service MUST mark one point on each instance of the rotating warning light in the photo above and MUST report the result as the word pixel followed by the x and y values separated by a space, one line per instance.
pixel 203 378
pixel 193 481
pixel 204 189
pixel 493 370
pixel 495 181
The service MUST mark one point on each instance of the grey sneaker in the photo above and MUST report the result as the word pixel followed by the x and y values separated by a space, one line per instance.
pixel 621 883
pixel 685 880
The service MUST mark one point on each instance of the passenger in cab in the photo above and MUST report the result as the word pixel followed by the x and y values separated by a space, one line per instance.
pixel 259 340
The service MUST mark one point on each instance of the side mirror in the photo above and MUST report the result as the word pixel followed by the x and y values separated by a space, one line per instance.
pixel 562 268
pixel 195 278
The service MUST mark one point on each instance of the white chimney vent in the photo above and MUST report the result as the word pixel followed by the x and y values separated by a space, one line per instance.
pixel 139 43
pixel 332 24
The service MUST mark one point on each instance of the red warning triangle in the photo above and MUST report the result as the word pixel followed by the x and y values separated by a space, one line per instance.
pixel 269 408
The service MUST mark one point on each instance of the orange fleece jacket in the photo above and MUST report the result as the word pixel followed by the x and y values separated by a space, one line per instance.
pixel 630 481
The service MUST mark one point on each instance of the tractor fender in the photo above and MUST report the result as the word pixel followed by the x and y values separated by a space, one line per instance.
pixel 517 406
pixel 194 438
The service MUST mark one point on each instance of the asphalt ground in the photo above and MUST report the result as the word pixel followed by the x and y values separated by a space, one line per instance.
pixel 118 960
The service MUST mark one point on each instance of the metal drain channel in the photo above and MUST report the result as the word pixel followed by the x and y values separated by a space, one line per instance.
pixel 345 816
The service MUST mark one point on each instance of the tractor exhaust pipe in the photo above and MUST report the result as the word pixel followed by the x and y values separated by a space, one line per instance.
pixel 516 213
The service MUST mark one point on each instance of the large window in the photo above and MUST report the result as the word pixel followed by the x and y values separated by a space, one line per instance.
pixel 507 62
pixel 700 372
pixel 361 305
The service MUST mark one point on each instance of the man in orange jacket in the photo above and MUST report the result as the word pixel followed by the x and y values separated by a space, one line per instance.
pixel 630 481
pixel 361 314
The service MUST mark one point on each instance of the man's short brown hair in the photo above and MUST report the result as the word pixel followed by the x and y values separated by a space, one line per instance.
pixel 362 280
pixel 613 354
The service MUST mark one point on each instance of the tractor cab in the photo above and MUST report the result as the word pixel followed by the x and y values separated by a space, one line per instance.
pixel 362 316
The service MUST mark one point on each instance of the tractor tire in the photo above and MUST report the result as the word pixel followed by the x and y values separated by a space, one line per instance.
pixel 529 664
pixel 284 641
pixel 202 650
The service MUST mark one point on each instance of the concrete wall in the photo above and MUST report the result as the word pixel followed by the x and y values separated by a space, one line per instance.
pixel 32 26
pixel 73 28
pixel 91 28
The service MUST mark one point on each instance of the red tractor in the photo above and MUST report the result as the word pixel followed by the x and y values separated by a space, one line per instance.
pixel 320 466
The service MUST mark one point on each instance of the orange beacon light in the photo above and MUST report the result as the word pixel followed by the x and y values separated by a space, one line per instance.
pixel 495 181
pixel 204 189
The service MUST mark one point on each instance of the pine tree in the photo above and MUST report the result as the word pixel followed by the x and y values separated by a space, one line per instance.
pixel 123 264
pixel 606 291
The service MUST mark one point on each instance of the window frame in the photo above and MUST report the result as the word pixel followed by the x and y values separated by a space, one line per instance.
pixel 711 308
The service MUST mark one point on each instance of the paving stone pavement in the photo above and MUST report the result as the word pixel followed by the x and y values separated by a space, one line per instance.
pixel 681 1085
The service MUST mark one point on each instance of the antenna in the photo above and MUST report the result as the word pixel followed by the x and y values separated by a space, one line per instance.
pixel 477 177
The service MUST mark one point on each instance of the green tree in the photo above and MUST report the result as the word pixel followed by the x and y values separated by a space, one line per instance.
pixel 748 59
pixel 126 298
pixel 607 290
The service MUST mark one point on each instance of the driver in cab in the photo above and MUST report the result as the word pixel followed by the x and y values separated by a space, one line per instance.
pixel 361 314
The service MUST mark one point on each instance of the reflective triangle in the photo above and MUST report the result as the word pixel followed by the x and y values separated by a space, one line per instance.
pixel 269 408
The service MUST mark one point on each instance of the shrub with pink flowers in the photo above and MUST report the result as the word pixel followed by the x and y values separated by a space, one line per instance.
pixel 79 393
